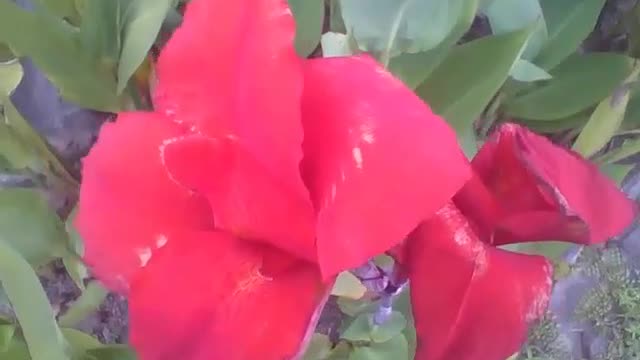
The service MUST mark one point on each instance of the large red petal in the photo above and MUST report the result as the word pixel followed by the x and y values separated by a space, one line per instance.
pixel 128 204
pixel 246 200
pixel 208 296
pixel 231 69
pixel 471 301
pixel 377 160
pixel 541 192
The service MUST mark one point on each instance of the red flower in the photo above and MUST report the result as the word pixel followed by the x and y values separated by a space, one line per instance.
pixel 524 189
pixel 226 213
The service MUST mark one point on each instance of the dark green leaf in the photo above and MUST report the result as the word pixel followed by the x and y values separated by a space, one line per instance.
pixel 31 306
pixel 100 31
pixel 395 26
pixel 30 226
pixel 569 22
pixel 460 92
pixel 578 83
pixel 556 125
pixel 309 17
pixel 413 69
pixel 140 28
pixel 59 55
pixel 396 349
pixel 508 15
pixel 390 329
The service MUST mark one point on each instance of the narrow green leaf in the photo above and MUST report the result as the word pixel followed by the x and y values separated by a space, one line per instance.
pixel 508 15
pixel 6 336
pixel 627 149
pixel 85 305
pixel 550 249
pixel 526 71
pixel 605 120
pixel 461 92
pixel 413 69
pixel 30 226
pixel 73 261
pixel 390 329
pixel 43 337
pixel 419 25
pixel 10 76
pixel 141 26
pixel 578 83
pixel 79 342
pixel 617 172
pixel 113 352
pixel 309 17
pixel 319 347
pixel 349 286
pixel 569 22
pixel 59 55
pixel 396 349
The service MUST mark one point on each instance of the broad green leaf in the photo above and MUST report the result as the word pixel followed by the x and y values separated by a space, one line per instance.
pixel 113 352
pixel 616 172
pixel 30 226
pixel 396 349
pixel 396 26
pixel 31 306
pixel 6 336
pixel 100 31
pixel 578 83
pixel 526 71
pixel 61 8
pixel 335 45
pixel 352 307
pixel 390 329
pixel 413 69
pixel 59 55
pixel 85 305
pixel 605 121
pixel 319 348
pixel 309 17
pixel 140 28
pixel 359 329
pixel 508 15
pixel 10 76
pixel 460 92
pixel 349 286
pixel 569 22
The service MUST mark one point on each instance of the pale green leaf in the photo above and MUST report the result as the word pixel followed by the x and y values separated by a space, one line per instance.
pixel 30 304
pixel 526 71
pixel 396 349
pixel 390 329
pixel 10 76
pixel 309 17
pixel 508 15
pixel 359 329
pixel 85 305
pixel 319 347
pixel 335 45
pixel 349 286
pixel 569 22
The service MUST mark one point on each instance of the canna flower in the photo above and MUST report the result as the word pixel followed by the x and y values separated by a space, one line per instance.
pixel 225 214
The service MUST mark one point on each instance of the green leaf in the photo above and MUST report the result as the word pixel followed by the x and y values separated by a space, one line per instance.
pixel 403 304
pixel 100 31
pixel 73 260
pixel 30 226
pixel 17 350
pixel 6 336
pixel 628 148
pixel 309 17
pixel 396 26
pixel 578 83
pixel 616 172
pixel 460 92
pixel 340 352
pixel 359 329
pixel 352 307
pixel 79 342
pixel 113 352
pixel 10 76
pixel 319 348
pixel 141 26
pixel 349 286
pixel 569 22
pixel 413 69
pixel 556 125
pixel 526 71
pixel 508 15
pixel 59 55
pixel 396 349
pixel 550 249
pixel 605 121
pixel 61 8
pixel 335 45
pixel 31 306
pixel 91 298
pixel 390 329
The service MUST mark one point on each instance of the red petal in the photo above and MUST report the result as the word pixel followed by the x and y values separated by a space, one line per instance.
pixel 128 204
pixel 208 296
pixel 471 301
pixel 231 69
pixel 377 160
pixel 246 200
pixel 541 192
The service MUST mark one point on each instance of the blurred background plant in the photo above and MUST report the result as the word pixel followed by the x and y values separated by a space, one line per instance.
pixel 564 68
